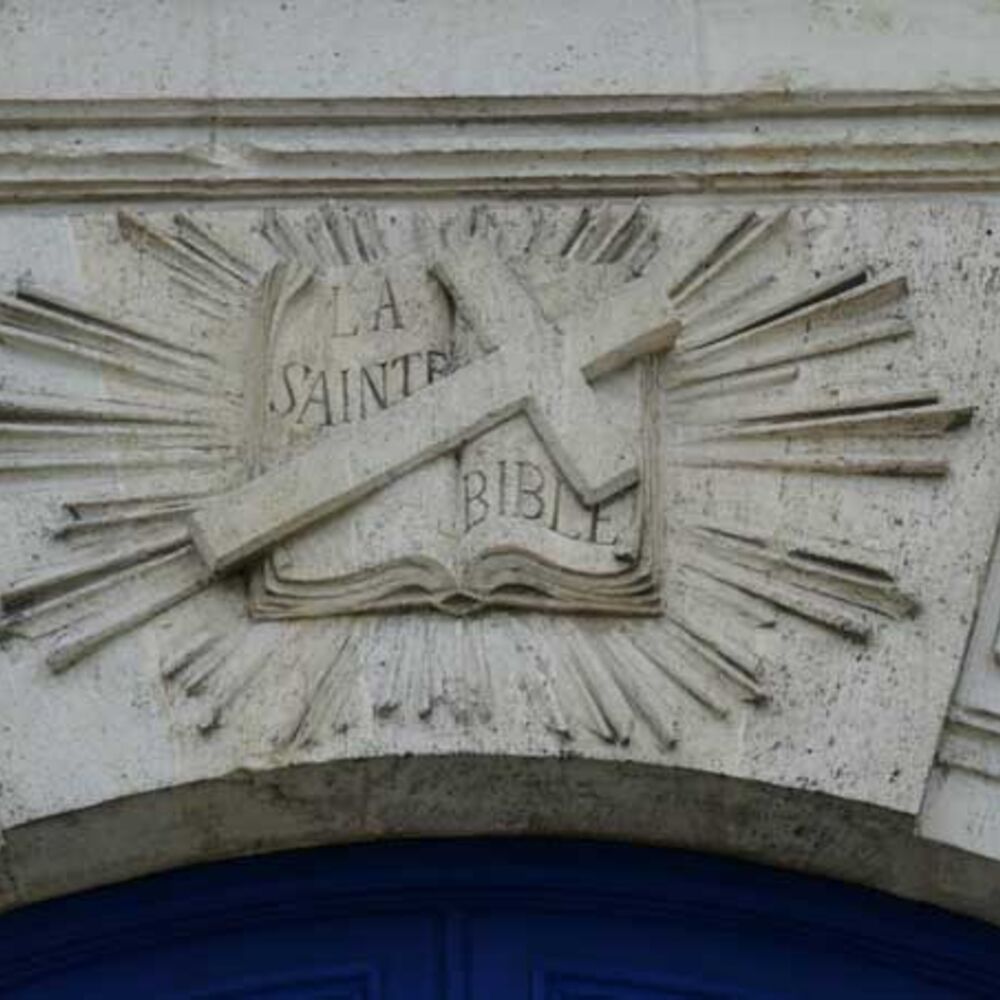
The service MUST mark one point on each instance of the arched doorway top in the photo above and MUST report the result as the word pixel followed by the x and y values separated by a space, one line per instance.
pixel 490 919
pixel 341 802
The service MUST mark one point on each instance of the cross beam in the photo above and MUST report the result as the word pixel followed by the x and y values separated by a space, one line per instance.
pixel 533 366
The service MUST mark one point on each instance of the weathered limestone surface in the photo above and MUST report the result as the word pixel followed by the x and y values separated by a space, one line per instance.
pixel 383 48
pixel 582 427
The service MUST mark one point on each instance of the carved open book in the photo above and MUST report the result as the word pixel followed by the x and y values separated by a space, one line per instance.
pixel 493 523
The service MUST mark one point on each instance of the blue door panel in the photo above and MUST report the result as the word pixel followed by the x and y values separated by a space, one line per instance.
pixel 622 955
pixel 577 982
pixel 489 920
pixel 362 957
pixel 344 983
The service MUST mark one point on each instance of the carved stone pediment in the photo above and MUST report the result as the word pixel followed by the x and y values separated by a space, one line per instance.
pixel 474 421
pixel 596 467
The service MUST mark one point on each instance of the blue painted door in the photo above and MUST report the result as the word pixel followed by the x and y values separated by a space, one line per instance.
pixel 482 920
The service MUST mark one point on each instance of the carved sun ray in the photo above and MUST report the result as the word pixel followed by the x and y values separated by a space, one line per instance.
pixel 747 390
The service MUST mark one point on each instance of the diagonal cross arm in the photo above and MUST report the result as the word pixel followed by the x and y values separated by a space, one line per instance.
pixel 555 362
pixel 536 367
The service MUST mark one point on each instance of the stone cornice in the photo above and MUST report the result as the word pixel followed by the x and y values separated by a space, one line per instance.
pixel 55 151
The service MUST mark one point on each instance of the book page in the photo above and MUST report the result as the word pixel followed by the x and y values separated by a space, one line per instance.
pixel 512 496
pixel 342 348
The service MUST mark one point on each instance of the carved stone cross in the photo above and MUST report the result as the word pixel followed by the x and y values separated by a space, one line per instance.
pixel 531 365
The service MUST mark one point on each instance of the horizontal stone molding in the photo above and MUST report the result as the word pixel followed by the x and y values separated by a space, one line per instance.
pixel 751 143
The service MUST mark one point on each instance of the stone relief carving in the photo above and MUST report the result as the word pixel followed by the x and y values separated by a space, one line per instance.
pixel 385 450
